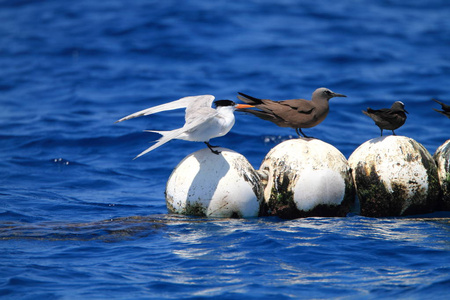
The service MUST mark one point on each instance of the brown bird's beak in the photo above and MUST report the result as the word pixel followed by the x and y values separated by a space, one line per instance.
pixel 338 95
pixel 239 106
pixel 405 111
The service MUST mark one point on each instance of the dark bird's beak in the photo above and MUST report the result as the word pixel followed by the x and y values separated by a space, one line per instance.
pixel 406 111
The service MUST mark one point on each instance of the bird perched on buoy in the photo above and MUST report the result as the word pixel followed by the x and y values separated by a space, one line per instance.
pixel 202 121
pixel 445 108
pixel 294 113
pixel 388 118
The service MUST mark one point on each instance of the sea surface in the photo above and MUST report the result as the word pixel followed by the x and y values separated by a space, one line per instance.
pixel 80 219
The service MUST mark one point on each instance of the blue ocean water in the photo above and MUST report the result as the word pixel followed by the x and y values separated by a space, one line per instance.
pixel 79 219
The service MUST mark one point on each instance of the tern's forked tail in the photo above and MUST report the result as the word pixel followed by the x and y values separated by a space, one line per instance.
pixel 166 137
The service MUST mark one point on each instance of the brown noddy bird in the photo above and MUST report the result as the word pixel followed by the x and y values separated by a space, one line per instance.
pixel 388 118
pixel 445 108
pixel 294 113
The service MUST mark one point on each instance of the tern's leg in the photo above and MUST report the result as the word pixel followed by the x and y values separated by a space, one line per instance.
pixel 211 148
pixel 299 130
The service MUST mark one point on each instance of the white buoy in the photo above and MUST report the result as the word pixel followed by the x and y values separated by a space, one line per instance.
pixel 442 159
pixel 307 177
pixel 222 186
pixel 394 176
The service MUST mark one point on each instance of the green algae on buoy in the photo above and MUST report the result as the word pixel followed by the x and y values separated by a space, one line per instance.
pixel 307 177
pixel 210 185
pixel 394 176
pixel 442 159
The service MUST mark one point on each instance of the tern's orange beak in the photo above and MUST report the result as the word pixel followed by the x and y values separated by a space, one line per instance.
pixel 239 106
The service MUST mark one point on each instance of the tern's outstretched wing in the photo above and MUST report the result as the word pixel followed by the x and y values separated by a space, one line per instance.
pixel 173 134
pixel 197 104
pixel 191 101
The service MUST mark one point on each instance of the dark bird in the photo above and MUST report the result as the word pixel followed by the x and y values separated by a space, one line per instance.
pixel 445 108
pixel 388 118
pixel 295 113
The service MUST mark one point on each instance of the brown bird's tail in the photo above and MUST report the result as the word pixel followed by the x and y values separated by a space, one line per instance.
pixel 249 99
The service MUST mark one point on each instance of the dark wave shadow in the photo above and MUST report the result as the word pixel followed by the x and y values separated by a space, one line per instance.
pixel 112 230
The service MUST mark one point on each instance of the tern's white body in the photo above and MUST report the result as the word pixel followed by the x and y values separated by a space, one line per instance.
pixel 216 122
pixel 202 122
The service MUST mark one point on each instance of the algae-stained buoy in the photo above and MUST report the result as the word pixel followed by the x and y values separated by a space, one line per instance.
pixel 442 159
pixel 394 176
pixel 210 185
pixel 307 177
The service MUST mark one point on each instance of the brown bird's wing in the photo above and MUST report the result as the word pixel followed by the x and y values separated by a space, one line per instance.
pixel 300 105
pixel 295 113
pixel 268 116
pixel 298 113
pixel 278 107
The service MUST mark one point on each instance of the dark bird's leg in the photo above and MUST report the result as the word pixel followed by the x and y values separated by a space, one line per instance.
pixel 393 132
pixel 381 132
pixel 299 130
pixel 211 148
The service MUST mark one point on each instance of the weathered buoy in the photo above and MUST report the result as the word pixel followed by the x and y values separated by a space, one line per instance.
pixel 442 159
pixel 210 185
pixel 394 176
pixel 307 177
